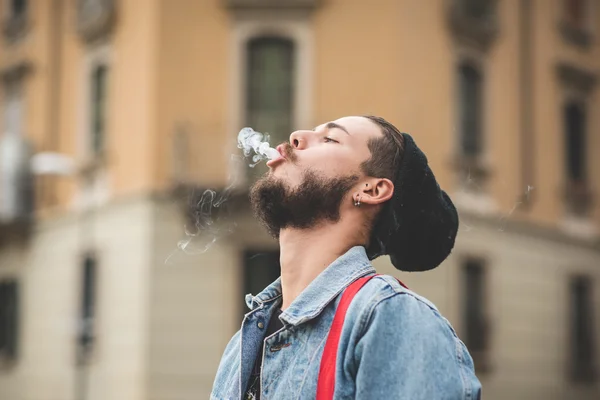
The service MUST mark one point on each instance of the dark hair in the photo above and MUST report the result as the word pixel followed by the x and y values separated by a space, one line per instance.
pixel 417 227
pixel 385 161
pixel 386 151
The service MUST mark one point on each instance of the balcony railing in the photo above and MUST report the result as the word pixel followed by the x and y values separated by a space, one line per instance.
pixel 578 197
pixel 272 4
pixel 15 26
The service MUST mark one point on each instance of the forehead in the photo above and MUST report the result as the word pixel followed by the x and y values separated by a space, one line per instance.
pixel 360 128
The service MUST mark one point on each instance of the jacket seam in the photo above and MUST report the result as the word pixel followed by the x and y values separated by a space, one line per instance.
pixel 263 362
pixel 366 318
pixel 369 314
pixel 458 350
pixel 355 276
pixel 467 391
pixel 261 306
pixel 312 359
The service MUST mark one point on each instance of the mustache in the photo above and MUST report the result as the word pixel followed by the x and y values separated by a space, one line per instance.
pixel 288 151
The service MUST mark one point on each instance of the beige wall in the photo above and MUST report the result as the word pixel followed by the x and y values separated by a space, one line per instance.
pixel 195 305
pixel 132 104
pixel 191 90
pixel 49 270
pixel 133 97
pixel 173 65
pixel 549 50
pixel 413 85
pixel 399 78
pixel 528 294
pixel 162 326
pixel 179 62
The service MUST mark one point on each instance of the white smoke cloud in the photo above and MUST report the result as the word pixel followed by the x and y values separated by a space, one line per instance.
pixel 208 226
pixel 251 141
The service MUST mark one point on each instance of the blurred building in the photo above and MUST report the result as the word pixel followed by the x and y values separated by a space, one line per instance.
pixel 144 99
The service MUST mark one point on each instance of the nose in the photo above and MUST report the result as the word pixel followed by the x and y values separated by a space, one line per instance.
pixel 299 139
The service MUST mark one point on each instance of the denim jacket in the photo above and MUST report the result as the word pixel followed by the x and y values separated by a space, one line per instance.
pixel 394 343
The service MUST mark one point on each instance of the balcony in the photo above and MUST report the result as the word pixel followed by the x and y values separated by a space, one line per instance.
pixel 576 78
pixel 15 26
pixel 578 198
pixel 575 35
pixel 307 5
pixel 16 187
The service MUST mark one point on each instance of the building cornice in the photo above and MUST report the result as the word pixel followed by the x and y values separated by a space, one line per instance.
pixel 576 77
pixel 513 226
pixel 244 5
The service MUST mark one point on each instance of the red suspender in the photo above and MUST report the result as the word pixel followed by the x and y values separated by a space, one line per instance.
pixel 326 380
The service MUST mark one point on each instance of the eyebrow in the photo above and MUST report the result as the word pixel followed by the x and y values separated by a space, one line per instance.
pixel 333 125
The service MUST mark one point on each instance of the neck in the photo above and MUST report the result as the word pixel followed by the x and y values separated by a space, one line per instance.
pixel 307 253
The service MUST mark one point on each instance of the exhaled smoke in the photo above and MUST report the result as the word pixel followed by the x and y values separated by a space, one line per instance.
pixel 251 141
pixel 209 219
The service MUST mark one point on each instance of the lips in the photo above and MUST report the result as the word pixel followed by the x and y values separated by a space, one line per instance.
pixel 281 157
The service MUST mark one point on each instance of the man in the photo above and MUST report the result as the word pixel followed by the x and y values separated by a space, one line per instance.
pixel 339 196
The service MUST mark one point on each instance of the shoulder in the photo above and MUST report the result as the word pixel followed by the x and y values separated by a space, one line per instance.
pixel 228 368
pixel 386 290
pixel 384 298
pixel 394 327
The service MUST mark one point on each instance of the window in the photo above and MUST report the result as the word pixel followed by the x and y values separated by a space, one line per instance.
pixel 470 99
pixel 98 102
pixel 16 195
pixel 477 8
pixel 575 131
pixel 270 87
pixel 88 306
pixel 93 120
pixel 583 346
pixel 470 162
pixel 9 313
pixel 575 127
pixel 576 22
pixel 18 8
pixel 261 268
pixel 15 20
pixel 13 108
pixel 475 316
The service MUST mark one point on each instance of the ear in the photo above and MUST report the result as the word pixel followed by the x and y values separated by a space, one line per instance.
pixel 375 191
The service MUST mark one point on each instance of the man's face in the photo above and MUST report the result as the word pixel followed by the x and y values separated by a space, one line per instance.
pixel 316 173
pixel 331 150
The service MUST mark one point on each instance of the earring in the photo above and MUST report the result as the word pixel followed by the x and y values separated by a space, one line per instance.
pixel 357 202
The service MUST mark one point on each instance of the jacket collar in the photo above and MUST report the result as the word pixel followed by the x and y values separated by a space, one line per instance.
pixel 270 293
pixel 321 291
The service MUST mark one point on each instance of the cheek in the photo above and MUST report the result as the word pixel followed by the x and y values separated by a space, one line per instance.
pixel 331 165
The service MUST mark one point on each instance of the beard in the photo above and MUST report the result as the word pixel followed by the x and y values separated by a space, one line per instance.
pixel 315 201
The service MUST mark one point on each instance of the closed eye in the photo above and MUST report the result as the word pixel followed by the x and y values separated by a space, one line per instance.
pixel 330 140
